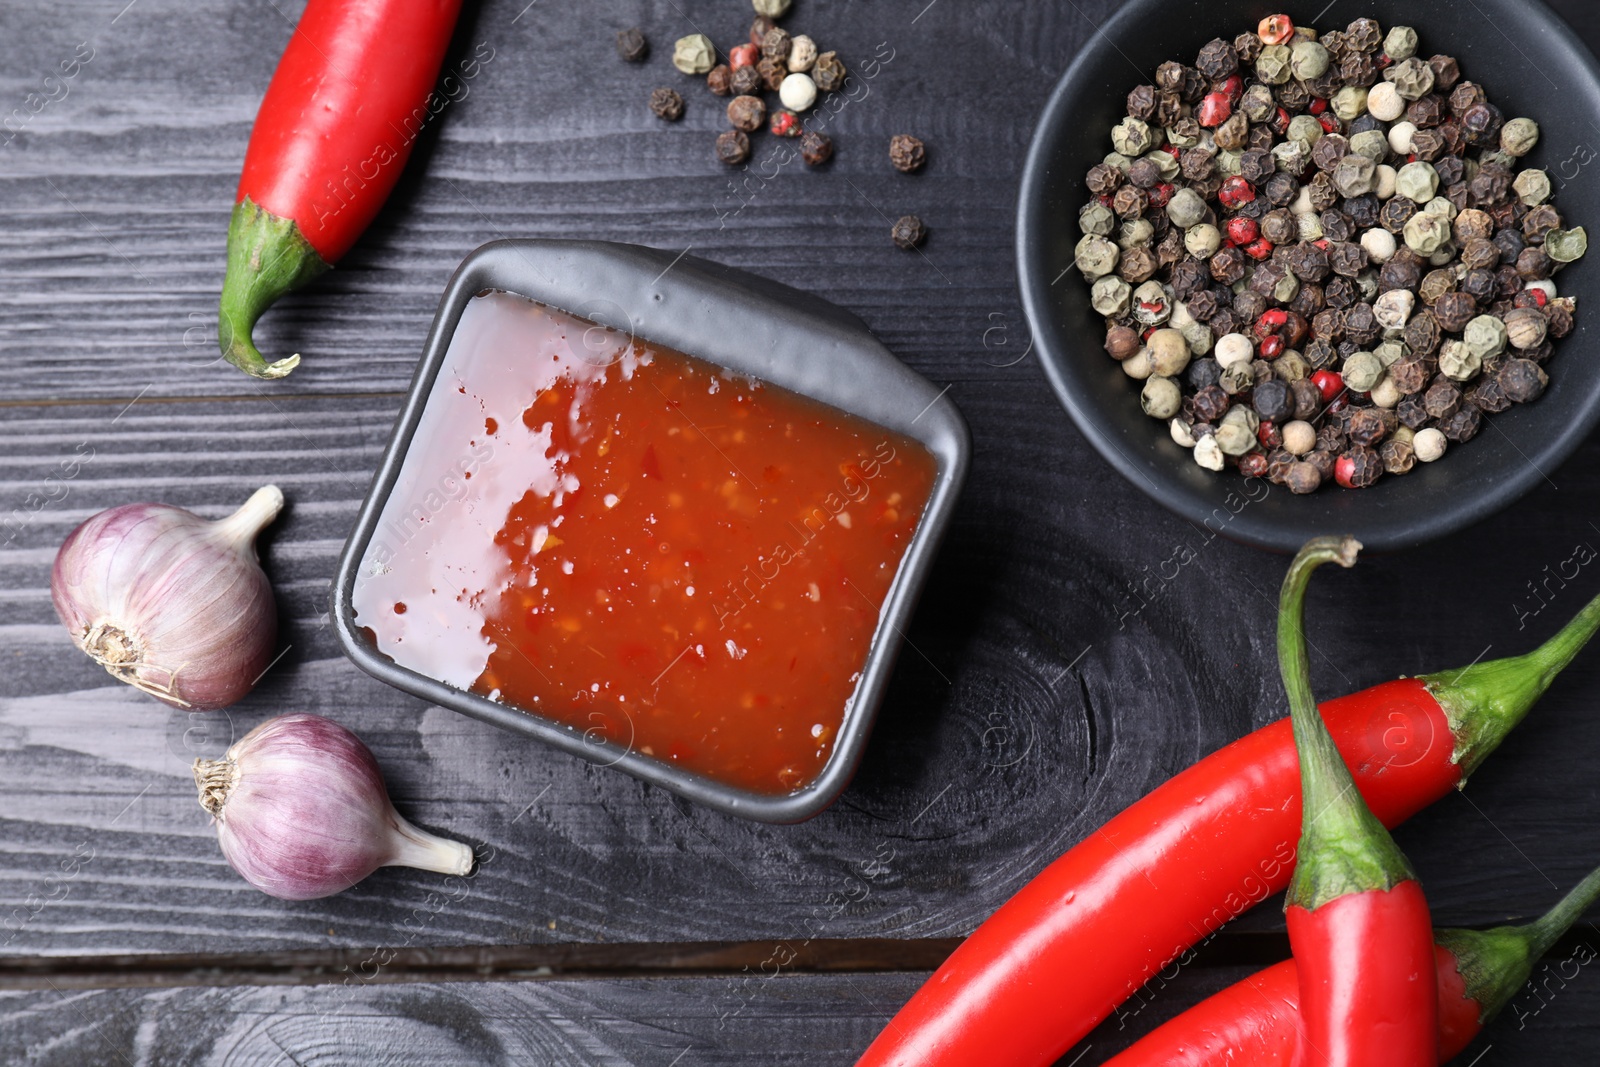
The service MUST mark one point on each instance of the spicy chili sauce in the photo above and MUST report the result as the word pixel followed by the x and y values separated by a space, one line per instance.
pixel 641 545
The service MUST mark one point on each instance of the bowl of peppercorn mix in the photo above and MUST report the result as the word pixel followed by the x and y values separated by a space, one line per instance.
pixel 1308 277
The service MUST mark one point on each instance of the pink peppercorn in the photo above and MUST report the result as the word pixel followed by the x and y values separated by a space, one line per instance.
pixel 1271 347
pixel 1253 465
pixel 1275 29
pixel 1318 105
pixel 785 124
pixel 1242 231
pixel 1233 88
pixel 1329 383
pixel 1215 109
pixel 1236 191
pixel 1161 195
pixel 744 55
pixel 1259 249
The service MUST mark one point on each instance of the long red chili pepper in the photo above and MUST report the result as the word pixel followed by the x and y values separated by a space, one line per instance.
pixel 1217 839
pixel 333 133
pixel 1358 921
pixel 1257 1021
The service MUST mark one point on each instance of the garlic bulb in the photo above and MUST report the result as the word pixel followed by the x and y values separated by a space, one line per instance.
pixel 174 605
pixel 301 811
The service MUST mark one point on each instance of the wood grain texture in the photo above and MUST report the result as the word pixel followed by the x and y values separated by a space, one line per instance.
pixel 1056 669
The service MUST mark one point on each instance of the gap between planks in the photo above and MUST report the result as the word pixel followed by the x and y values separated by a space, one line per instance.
pixel 565 962
pixel 130 401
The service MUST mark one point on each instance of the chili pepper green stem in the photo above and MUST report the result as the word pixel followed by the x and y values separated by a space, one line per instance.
pixel 1484 701
pixel 267 257
pixel 1344 849
pixel 1496 963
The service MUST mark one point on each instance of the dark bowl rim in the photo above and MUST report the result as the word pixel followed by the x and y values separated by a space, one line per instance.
pixel 1092 420
pixel 540 269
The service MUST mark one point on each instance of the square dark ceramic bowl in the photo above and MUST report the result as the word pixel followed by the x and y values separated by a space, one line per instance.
pixel 744 323
pixel 1529 62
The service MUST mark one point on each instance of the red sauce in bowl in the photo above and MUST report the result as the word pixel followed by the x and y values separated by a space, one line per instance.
pixel 641 545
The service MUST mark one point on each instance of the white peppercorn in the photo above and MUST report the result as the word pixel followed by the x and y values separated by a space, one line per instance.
pixel 1400 135
pixel 1532 187
pixel 1208 453
pixel 1169 352
pixel 1392 309
pixel 1518 137
pixel 1186 208
pixel 1429 444
pixel 1110 296
pixel 798 92
pixel 1152 304
pixel 1485 335
pixel 1139 366
pixel 1400 43
pixel 1458 361
pixel 694 54
pixel 1234 348
pixel 1160 398
pixel 1095 256
pixel 1387 179
pixel 1425 233
pixel 802 54
pixel 1182 433
pixel 1417 181
pixel 1202 241
pixel 1380 245
pixel 1349 103
pixel 1385 102
pixel 1096 218
pixel 1386 394
pixel 1299 437
pixel 1166 165
pixel 1566 246
pixel 1361 371
pixel 1308 60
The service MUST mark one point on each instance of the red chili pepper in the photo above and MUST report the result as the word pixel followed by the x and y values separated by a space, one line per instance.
pixel 1358 920
pixel 334 131
pixel 1215 840
pixel 1257 1021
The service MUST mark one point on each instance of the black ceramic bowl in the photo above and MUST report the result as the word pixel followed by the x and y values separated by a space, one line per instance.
pixel 1530 63
pixel 739 321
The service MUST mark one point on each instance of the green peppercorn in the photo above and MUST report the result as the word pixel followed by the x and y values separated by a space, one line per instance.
pixel 1361 371
pixel 1374 144
pixel 694 54
pixel 1132 137
pixel 1272 66
pixel 772 9
pixel 1202 241
pixel 1412 77
pixel 1306 130
pixel 1234 438
pixel 1186 208
pixel 1355 175
pixel 1459 361
pixel 1401 43
pixel 1096 218
pixel 1485 335
pixel 1135 232
pixel 1160 398
pixel 1518 137
pixel 1349 103
pixel 1308 60
pixel 1199 337
pixel 1096 256
pixel 1426 233
pixel 1417 182
pixel 1566 246
pixel 1110 296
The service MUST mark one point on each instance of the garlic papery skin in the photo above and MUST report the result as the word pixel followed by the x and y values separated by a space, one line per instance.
pixel 301 812
pixel 171 603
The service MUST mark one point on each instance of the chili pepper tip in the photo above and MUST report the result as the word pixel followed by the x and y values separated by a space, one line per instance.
pixel 268 256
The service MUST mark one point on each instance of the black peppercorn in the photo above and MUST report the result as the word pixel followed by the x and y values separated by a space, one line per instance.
pixel 1363 35
pixel 1337 227
pixel 1249 304
pixel 1427 112
pixel 1357 68
pixel 1412 412
pixel 1203 372
pixel 1307 398
pixel 632 46
pixel 1451 169
pixel 1329 151
pixel 1130 202
pixel 759 29
pixel 772 72
pixel 1446 72
pixel 747 80
pixel 1256 165
pixel 1169 109
pixel 816 148
pixel 908 232
pixel 1443 399
pixel 1367 427
pixel 829 72
pixel 1409 375
pixel 1398 457
pixel 1273 401
pixel 1341 292
pixel 1293 96
pixel 1331 436
pixel 1487 395
pixel 1281 189
pixel 667 104
pixel 1217 60
pixel 1427 145
pixel 1422 333
pixel 720 79
pixel 1454 311
pixel 1137 264
pixel 1346 257
pixel 1396 212
pixel 1248 47
pixel 1211 403
pixel 1522 380
pixel 1304 476
pixel 1534 264
pixel 1481 123
pixel 1559 318
pixel 1481 285
pixel 777 44
pixel 747 113
pixel 1399 273
pixel 1324 194
pixel 1142 102
pixel 1463 425
pixel 1363 211
pixel 908 154
pixel 1360 467
pixel 733 147
pixel 1228 265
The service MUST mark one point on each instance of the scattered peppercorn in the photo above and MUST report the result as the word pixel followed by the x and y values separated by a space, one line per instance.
pixel 733 147
pixel 667 104
pixel 694 54
pixel 785 124
pixel 816 148
pixel 720 80
pixel 745 81
pixel 1362 270
pixel 907 153
pixel 829 72
pixel 747 113
pixel 632 45
pixel 908 232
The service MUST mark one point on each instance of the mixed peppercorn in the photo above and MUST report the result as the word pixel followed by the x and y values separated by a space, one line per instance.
pixel 1319 256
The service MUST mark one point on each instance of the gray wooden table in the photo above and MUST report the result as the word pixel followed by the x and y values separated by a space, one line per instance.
pixel 611 923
